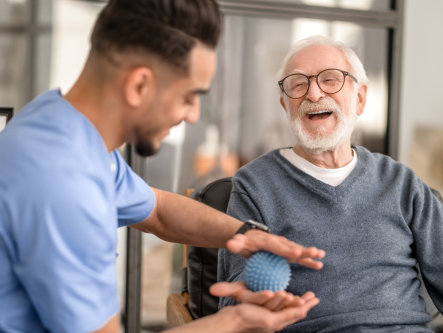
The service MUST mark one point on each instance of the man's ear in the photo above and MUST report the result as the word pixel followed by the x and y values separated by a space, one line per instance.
pixel 139 85
pixel 282 102
pixel 361 99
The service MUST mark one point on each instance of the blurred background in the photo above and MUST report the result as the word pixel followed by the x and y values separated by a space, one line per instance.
pixel 43 45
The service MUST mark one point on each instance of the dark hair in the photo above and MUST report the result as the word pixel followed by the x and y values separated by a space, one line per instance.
pixel 168 29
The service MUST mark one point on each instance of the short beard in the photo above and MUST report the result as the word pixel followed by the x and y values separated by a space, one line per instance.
pixel 145 148
pixel 320 142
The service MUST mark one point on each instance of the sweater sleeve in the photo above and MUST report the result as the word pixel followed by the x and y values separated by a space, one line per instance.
pixel 427 227
pixel 230 265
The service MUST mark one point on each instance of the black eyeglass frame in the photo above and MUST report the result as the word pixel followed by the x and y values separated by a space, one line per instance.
pixel 280 83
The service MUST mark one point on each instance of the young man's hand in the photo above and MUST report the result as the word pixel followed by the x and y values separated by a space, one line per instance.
pixel 256 240
pixel 273 301
pixel 264 311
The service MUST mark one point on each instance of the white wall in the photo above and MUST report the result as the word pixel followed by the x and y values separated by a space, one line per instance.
pixel 422 84
pixel 72 25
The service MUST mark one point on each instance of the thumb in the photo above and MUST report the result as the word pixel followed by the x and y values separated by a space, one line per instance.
pixel 238 244
pixel 221 289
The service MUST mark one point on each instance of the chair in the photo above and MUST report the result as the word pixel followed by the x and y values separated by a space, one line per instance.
pixel 199 264
pixel 436 322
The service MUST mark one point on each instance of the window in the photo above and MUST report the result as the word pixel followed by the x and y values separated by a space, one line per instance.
pixel 25 30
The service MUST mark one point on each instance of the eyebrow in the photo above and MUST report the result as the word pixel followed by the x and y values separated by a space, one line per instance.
pixel 199 91
pixel 296 71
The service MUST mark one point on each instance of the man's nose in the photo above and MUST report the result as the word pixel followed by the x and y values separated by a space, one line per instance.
pixel 193 113
pixel 314 93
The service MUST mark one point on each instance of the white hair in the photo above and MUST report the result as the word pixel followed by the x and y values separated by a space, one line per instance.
pixel 357 67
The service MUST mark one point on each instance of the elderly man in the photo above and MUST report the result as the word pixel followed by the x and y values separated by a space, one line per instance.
pixel 374 217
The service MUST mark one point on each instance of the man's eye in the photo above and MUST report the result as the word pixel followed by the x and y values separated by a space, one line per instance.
pixel 189 100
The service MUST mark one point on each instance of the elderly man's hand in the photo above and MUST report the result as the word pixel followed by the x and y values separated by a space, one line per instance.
pixel 256 240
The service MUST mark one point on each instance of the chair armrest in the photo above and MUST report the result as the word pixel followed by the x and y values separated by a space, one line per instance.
pixel 177 311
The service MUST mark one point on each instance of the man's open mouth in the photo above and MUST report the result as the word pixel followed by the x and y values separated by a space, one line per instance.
pixel 318 115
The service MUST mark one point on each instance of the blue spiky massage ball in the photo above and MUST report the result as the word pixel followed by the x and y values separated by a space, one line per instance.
pixel 267 271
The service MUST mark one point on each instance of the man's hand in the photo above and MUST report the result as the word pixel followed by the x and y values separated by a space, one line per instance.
pixel 273 301
pixel 256 240
pixel 265 311
pixel 245 318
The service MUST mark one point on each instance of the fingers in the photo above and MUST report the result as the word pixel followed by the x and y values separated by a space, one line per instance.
pixel 308 262
pixel 290 315
pixel 224 289
pixel 260 319
pixel 311 253
pixel 237 244
pixel 281 300
pixel 253 241
pixel 273 301
pixel 240 292
pixel 308 296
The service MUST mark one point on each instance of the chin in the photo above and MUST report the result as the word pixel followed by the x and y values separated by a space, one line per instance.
pixel 319 145
pixel 321 141
pixel 147 148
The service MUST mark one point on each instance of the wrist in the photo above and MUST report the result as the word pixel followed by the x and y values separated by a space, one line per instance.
pixel 236 315
pixel 250 225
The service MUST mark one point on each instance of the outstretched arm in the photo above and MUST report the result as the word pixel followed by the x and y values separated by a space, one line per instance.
pixel 268 312
pixel 247 318
pixel 179 219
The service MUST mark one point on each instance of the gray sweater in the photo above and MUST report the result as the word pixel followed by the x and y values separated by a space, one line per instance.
pixel 375 227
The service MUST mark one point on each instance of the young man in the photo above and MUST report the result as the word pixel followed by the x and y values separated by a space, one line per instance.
pixel 373 216
pixel 64 189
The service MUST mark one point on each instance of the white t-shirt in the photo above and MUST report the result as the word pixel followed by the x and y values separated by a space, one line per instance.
pixel 332 177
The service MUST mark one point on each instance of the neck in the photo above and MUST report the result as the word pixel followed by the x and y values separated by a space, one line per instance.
pixel 330 159
pixel 98 101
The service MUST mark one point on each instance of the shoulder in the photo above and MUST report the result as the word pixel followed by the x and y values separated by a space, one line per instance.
pixel 381 163
pixel 49 134
pixel 49 119
pixel 262 163
pixel 261 171
pixel 384 170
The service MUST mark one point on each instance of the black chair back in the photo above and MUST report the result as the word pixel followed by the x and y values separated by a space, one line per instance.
pixel 202 262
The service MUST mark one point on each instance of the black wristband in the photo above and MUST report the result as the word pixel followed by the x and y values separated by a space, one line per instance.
pixel 249 224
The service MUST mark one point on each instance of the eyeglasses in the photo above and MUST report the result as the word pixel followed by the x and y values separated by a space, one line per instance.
pixel 330 81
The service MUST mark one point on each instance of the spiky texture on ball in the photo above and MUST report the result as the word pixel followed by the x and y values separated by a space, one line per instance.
pixel 267 271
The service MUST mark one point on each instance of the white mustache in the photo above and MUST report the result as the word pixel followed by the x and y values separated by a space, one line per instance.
pixel 325 104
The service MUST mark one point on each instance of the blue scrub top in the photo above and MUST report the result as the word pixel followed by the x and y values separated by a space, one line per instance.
pixel 62 197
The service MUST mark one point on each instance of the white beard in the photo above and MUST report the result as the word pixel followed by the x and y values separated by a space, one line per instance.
pixel 319 141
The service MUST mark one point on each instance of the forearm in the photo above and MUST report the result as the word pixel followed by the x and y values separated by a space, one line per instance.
pixel 226 320
pixel 252 318
pixel 177 218
pixel 112 326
